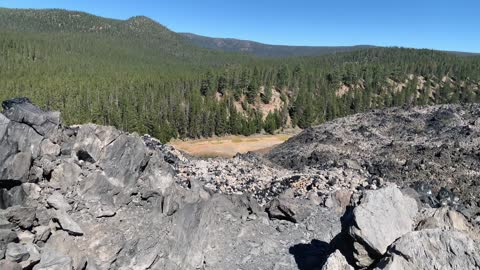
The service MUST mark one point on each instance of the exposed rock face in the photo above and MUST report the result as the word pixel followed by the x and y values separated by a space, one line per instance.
pixel 336 261
pixel 57 201
pixel 21 110
pixel 20 144
pixel 447 219
pixel 8 265
pixel 92 197
pixel 51 260
pixel 294 210
pixel 67 223
pixel 24 254
pixel 92 139
pixel 433 249
pixel 379 219
pixel 120 156
pixel 6 236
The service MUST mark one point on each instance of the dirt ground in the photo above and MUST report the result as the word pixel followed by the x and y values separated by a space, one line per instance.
pixel 230 145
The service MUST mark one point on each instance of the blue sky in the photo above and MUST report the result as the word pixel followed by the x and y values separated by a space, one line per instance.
pixel 440 24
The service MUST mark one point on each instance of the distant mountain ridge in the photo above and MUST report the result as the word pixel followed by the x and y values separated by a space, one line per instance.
pixel 138 75
pixel 266 50
pixel 269 50
pixel 65 21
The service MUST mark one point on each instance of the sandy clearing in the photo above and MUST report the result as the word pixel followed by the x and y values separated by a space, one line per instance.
pixel 230 145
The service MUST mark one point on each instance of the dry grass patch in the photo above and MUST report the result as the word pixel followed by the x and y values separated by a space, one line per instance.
pixel 236 140
pixel 231 145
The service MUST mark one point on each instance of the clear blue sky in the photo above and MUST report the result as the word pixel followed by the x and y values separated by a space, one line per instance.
pixel 437 24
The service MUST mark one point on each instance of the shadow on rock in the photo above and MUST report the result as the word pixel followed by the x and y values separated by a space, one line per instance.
pixel 343 241
pixel 311 256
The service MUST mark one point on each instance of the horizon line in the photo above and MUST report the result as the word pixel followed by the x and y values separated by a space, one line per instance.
pixel 473 53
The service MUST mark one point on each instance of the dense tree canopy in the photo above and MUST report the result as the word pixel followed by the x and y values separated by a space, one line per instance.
pixel 139 76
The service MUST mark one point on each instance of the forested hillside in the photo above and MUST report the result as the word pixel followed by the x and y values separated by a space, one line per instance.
pixel 265 50
pixel 139 76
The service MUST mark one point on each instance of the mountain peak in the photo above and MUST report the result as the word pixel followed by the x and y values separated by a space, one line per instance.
pixel 144 24
pixel 141 19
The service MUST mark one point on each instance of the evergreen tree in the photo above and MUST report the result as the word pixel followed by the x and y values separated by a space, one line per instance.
pixel 283 77
pixel 270 123
pixel 267 94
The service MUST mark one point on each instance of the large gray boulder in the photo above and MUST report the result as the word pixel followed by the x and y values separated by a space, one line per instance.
pixel 48 148
pixel 66 245
pixel 432 249
pixel 121 156
pixel 16 167
pixel 17 252
pixel 23 138
pixel 197 227
pixel 158 175
pixel 66 175
pixel 53 260
pixel 24 254
pixel 8 265
pixel 336 261
pixel 92 139
pixel 4 121
pixel 42 233
pixel 21 110
pixel 446 218
pixel 23 127
pixel 100 195
pixel 291 209
pixel 13 196
pixel 23 217
pixel 6 236
pixel 57 201
pixel 67 223
pixel 124 159
pixel 145 253
pixel 381 217
pixel 19 145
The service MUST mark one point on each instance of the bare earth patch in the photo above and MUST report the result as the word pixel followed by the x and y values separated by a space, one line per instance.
pixel 229 146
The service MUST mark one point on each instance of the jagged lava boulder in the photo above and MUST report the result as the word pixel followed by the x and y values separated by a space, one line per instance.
pixel 379 218
pixel 432 249
pixel 21 110
pixel 336 261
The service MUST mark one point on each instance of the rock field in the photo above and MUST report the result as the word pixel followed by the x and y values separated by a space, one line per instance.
pixel 389 189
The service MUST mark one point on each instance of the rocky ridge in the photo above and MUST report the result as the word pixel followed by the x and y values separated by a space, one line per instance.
pixel 433 150
pixel 92 197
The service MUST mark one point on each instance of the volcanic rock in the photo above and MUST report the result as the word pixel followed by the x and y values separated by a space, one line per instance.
pixel 336 261
pixel 433 249
pixel 67 223
pixel 21 110
pixel 380 218
pixel 94 197
pixel 57 201
pixel 8 265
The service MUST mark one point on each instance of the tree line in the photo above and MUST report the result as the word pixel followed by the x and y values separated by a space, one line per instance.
pixel 191 93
